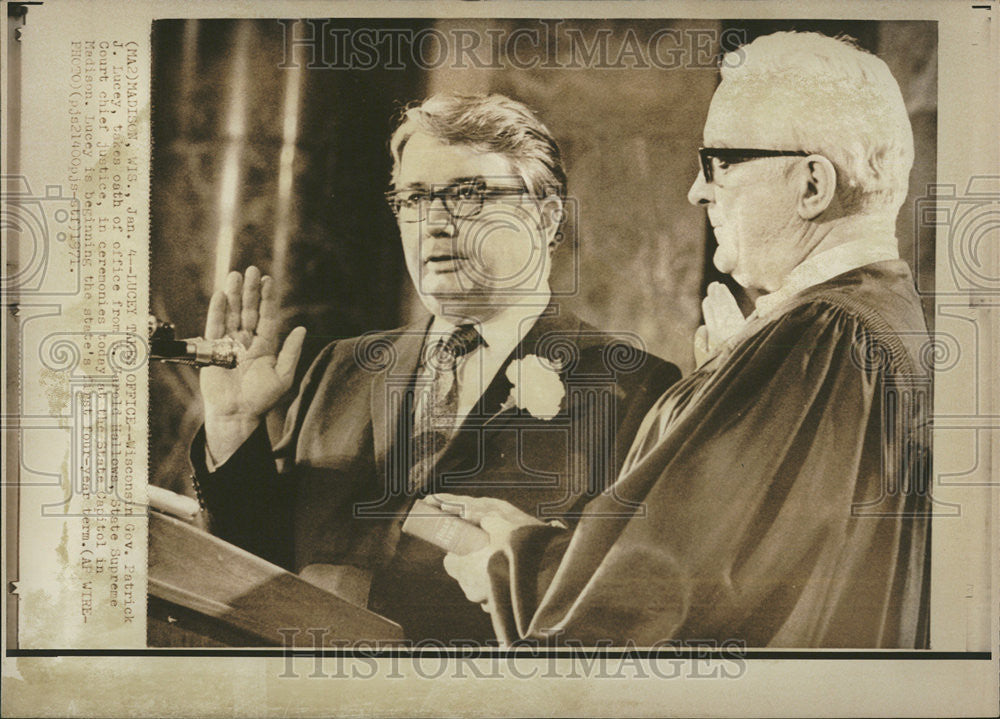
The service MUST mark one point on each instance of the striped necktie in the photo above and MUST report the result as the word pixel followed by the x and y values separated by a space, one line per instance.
pixel 436 404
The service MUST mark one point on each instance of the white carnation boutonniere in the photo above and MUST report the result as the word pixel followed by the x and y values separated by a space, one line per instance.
pixel 536 388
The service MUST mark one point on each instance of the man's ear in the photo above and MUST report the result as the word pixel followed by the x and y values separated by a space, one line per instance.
pixel 818 188
pixel 551 213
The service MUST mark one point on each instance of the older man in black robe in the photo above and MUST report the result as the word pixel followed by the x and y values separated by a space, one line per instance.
pixel 779 495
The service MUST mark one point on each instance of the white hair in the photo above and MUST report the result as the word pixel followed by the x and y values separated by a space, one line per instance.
pixel 490 123
pixel 836 100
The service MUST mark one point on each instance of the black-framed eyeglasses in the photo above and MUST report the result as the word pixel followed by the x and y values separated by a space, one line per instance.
pixel 732 155
pixel 462 199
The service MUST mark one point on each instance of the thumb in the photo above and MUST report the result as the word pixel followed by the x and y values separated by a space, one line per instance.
pixel 470 572
pixel 701 339
pixel 702 350
pixel 288 358
pixel 453 565
pixel 497 527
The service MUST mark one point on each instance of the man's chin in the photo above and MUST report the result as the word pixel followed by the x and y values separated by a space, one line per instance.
pixel 742 279
pixel 724 260
pixel 447 288
pixel 438 297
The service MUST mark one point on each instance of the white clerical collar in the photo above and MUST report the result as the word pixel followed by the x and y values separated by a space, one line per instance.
pixel 505 330
pixel 826 265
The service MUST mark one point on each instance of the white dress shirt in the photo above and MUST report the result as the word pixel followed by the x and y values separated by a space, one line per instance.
pixel 501 334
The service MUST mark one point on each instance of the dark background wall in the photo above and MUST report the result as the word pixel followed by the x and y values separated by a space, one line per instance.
pixel 289 166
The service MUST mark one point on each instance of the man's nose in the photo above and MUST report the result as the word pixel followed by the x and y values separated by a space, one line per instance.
pixel 440 223
pixel 701 192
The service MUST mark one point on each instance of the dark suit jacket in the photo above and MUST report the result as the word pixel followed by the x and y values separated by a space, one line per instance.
pixel 334 489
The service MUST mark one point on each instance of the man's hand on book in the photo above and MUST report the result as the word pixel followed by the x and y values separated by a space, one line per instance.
pixel 476 509
pixel 471 571
pixel 498 519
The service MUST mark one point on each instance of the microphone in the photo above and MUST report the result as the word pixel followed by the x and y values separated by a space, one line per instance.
pixel 194 351
pixel 198 352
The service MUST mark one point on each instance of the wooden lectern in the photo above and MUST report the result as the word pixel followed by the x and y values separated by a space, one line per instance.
pixel 205 592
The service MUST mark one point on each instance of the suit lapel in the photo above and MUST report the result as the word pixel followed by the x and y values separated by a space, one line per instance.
pixel 552 325
pixel 391 393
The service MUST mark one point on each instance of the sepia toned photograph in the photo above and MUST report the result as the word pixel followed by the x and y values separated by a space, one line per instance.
pixel 464 266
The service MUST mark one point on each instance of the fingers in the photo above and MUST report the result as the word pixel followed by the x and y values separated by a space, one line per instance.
pixel 707 311
pixel 723 306
pixel 476 509
pixel 457 504
pixel 451 503
pixel 498 528
pixel 723 317
pixel 234 301
pixel 470 571
pixel 727 308
pixel 288 358
pixel 710 307
pixel 215 323
pixel 471 509
pixel 483 507
pixel 701 340
pixel 454 565
pixel 251 299
pixel 267 320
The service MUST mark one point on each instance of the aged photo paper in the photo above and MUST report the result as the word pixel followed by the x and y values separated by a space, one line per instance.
pixel 254 253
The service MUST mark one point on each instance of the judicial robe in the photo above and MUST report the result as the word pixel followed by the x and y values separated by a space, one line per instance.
pixel 786 503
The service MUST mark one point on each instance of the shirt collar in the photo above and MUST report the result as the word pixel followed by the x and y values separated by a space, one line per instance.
pixel 505 330
pixel 827 265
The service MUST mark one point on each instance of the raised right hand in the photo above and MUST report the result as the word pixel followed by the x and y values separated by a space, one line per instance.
pixel 723 319
pixel 236 399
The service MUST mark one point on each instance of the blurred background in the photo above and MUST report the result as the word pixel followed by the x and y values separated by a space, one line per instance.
pixel 271 150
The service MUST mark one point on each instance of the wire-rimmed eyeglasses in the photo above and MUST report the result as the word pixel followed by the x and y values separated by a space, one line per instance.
pixel 462 200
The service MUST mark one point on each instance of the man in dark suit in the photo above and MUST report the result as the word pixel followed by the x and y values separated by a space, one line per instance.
pixel 500 393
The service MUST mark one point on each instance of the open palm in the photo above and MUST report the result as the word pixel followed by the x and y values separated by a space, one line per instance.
pixel 236 399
